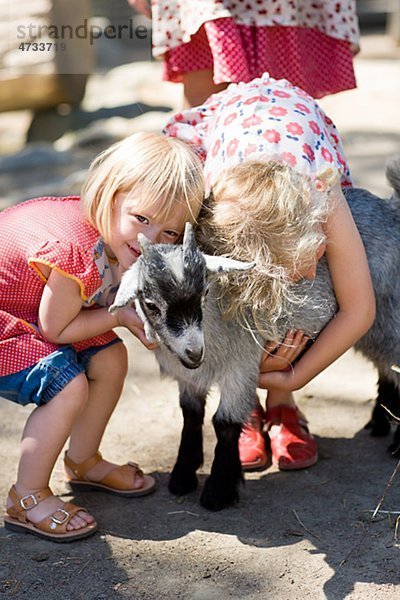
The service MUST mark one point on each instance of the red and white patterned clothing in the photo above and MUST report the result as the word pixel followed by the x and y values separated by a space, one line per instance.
pixel 304 41
pixel 175 21
pixel 52 232
pixel 263 120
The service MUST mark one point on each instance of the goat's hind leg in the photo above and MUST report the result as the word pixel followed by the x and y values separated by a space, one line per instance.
pixel 222 487
pixel 379 424
pixel 183 478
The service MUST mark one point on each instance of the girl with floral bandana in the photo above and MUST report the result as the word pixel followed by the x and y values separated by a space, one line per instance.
pixel 274 171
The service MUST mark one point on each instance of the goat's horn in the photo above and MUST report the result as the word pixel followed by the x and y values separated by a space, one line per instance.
pixel 143 242
pixel 189 241
pixel 223 264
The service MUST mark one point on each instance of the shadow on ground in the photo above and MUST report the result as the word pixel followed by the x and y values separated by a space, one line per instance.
pixel 291 531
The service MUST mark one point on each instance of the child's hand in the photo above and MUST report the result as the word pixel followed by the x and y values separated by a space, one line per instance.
pixel 276 371
pixel 128 317
pixel 141 6
pixel 279 357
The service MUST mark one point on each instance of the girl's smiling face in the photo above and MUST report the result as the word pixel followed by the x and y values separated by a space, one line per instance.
pixel 129 218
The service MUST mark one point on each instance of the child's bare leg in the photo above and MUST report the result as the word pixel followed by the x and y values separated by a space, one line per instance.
pixel 44 435
pixel 275 398
pixel 198 86
pixel 106 375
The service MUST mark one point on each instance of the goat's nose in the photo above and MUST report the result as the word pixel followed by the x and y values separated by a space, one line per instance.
pixel 195 355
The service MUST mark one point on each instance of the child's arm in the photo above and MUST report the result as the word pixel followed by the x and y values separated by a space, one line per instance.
pixel 352 284
pixel 62 320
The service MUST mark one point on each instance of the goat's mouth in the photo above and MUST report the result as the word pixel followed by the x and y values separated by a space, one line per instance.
pixel 189 358
pixel 191 365
pixel 192 359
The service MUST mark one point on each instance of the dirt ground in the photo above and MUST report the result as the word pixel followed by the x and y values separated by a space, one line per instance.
pixel 294 535
pixel 304 534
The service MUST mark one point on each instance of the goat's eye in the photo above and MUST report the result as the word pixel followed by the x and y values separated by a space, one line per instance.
pixel 152 307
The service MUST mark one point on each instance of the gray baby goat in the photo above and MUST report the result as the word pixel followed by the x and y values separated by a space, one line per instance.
pixel 177 294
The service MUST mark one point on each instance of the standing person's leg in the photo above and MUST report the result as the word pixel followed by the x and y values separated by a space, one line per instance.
pixel 198 86
pixel 84 465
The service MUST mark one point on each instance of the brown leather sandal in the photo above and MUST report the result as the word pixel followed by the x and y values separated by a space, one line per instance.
pixel 53 527
pixel 117 482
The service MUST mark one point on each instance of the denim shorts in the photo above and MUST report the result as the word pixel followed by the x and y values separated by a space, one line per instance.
pixel 40 383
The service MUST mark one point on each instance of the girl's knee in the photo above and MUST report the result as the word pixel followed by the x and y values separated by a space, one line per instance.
pixel 110 363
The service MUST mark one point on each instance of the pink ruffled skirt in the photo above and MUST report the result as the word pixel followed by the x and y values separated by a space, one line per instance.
pixel 308 58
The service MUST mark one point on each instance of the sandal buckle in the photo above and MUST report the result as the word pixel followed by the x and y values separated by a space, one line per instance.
pixel 62 520
pixel 28 501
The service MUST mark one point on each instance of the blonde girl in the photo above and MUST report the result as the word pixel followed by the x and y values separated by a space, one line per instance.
pixel 62 260
pixel 274 170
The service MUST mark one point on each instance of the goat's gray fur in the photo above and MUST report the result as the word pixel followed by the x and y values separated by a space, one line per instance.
pixel 232 352
pixel 224 344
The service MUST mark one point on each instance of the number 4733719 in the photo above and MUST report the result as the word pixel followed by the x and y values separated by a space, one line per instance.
pixel 42 46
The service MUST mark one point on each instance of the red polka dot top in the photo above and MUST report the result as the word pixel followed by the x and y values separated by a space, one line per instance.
pixel 49 231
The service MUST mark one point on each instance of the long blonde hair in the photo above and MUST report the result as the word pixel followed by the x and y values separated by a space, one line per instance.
pixel 267 213
pixel 163 168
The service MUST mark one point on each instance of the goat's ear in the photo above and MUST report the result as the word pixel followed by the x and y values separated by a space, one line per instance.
pixel 144 243
pixel 189 240
pixel 127 290
pixel 222 264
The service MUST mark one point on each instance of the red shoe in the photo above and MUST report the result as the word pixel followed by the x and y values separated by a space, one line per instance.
pixel 293 446
pixel 252 451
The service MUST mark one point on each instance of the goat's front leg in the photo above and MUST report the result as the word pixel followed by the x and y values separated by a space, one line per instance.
pixel 183 478
pixel 222 486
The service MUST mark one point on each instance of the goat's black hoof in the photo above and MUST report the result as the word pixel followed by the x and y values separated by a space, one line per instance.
pixel 394 447
pixel 181 482
pixel 216 497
